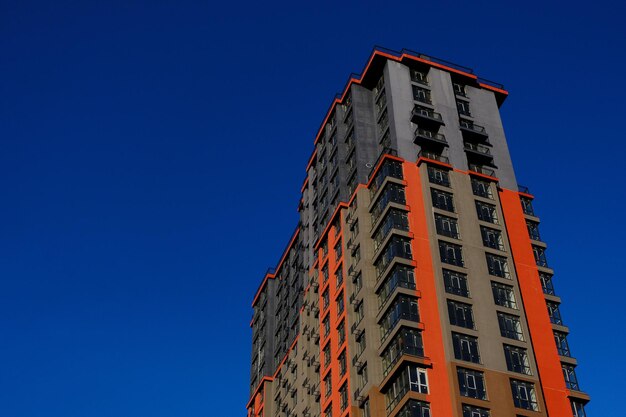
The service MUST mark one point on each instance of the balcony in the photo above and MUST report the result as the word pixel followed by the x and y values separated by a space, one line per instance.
pixel 392 193
pixel 482 170
pixel 397 247
pixel 414 408
pixel 394 219
pixel 478 152
pixel 426 117
pixel 405 342
pixel 402 276
pixel 389 168
pixel 404 307
pixel 428 137
pixel 473 131
pixel 433 156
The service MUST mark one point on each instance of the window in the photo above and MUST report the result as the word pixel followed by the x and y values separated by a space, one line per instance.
pixel 381 104
pixel 342 363
pixel 455 283
pixel 463 107
pixel 421 95
pixel 486 212
pixel 343 397
pixel 338 250
pixel 325 300
pixel 401 276
pixel 438 176
pixel 546 283
pixel 447 226
pixel 359 312
pixel 341 333
pixel 450 253
pixel 328 386
pixel 510 326
pixel 363 377
pixel 517 359
pixel 465 347
pixel 325 273
pixel 578 409
pixel 327 354
pixel 418 77
pixel 361 343
pixel 459 90
pixel 498 266
pixel 540 256
pixel 340 304
pixel 414 408
pixel 527 206
pixel 524 395
pixel 533 230
pixel 339 276
pixel 492 238
pixel 503 295
pixel 326 324
pixel 460 314
pixel 404 307
pixel 569 374
pixel 397 246
pixel 482 188
pixel 554 313
pixel 412 378
pixel 472 411
pixel 358 283
pixel 405 342
pixel 561 344
pixel 442 200
pixel 472 383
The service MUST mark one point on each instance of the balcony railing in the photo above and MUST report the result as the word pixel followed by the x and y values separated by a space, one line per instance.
pixel 397 247
pixel 434 156
pixel 426 115
pixel 477 148
pixel 389 168
pixel 473 128
pixel 392 193
pixel 406 342
pixel 403 308
pixel 423 135
pixel 482 170
pixel 401 277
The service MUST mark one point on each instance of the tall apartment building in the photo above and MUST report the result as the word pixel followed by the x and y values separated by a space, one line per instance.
pixel 416 283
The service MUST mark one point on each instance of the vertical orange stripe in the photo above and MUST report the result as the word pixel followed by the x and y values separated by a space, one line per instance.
pixel 541 334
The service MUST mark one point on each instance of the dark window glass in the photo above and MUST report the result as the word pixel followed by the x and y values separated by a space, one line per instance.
pixel 460 314
pixel 455 283
pixel 451 254
pixel 442 200
pixel 472 383
pixel 447 226
pixel 517 359
pixel 524 395
pixel 465 347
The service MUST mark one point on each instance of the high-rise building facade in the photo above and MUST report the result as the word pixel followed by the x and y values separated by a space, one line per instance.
pixel 416 283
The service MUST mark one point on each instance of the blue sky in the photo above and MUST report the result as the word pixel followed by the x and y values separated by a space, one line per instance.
pixel 152 155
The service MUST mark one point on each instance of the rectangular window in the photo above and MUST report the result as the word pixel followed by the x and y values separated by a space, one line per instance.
pixel 510 326
pixel 524 395
pixel 472 411
pixel 339 277
pixel 472 383
pixel 442 199
pixel 503 295
pixel 578 409
pixel 325 299
pixel 517 359
pixel 342 363
pixel 533 230
pixel 498 266
pixel 327 354
pixel 455 283
pixel 326 324
pixel 465 347
pixel 338 251
pixel 438 176
pixel 460 314
pixel 561 344
pixel 411 378
pixel 343 397
pixel 459 90
pixel 463 107
pixel 527 206
pixel 540 256
pixel 404 307
pixel 361 343
pixel 421 94
pixel 447 226
pixel 482 188
pixel 451 254
pixel 325 273
pixel 418 77
pixel 486 212
pixel 328 387
pixel 569 373
pixel 546 283
pixel 341 333
pixel 340 304
pixel 554 313
pixel 492 238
